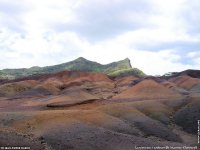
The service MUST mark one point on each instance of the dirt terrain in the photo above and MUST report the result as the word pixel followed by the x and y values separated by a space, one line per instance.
pixel 89 111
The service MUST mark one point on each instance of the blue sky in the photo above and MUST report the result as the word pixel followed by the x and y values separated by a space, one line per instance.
pixel 159 36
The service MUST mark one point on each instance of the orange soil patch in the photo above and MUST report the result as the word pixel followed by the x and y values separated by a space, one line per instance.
pixel 72 98
pixel 40 121
pixel 185 82
pixel 152 106
pixel 49 87
pixel 54 83
pixel 120 109
pixel 11 89
pixel 169 85
pixel 125 80
pixel 148 89
pixel 67 76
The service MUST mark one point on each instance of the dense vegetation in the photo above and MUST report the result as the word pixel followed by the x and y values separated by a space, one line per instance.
pixel 120 68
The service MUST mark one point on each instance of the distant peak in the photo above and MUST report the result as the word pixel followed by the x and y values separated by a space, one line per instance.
pixel 127 59
pixel 81 59
pixel 34 67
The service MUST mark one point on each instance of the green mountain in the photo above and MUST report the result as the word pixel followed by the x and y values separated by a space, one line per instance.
pixel 120 68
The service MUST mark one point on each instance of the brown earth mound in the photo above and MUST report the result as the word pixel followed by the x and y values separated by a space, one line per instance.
pixel 148 89
pixel 11 89
pixel 68 76
pixel 80 110
pixel 54 83
pixel 174 87
pixel 124 81
pixel 185 81
pixel 71 99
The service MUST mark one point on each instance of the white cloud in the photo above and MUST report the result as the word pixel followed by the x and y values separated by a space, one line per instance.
pixel 151 62
pixel 49 32
pixel 193 54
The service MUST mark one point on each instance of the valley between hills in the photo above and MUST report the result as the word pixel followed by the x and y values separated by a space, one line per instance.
pixel 83 105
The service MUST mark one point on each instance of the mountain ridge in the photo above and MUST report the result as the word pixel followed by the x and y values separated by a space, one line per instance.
pixel 118 68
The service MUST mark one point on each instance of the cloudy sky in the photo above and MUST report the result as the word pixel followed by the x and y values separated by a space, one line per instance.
pixel 158 36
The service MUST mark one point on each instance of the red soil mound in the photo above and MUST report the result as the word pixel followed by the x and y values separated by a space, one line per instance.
pixel 72 98
pixel 148 89
pixel 67 76
pixel 11 89
pixel 124 83
pixel 185 81
pixel 125 80
pixel 53 83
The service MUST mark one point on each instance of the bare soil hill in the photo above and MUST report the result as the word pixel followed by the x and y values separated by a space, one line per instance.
pixel 86 111
pixel 148 89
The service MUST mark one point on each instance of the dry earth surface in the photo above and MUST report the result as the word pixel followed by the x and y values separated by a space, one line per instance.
pixel 89 111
